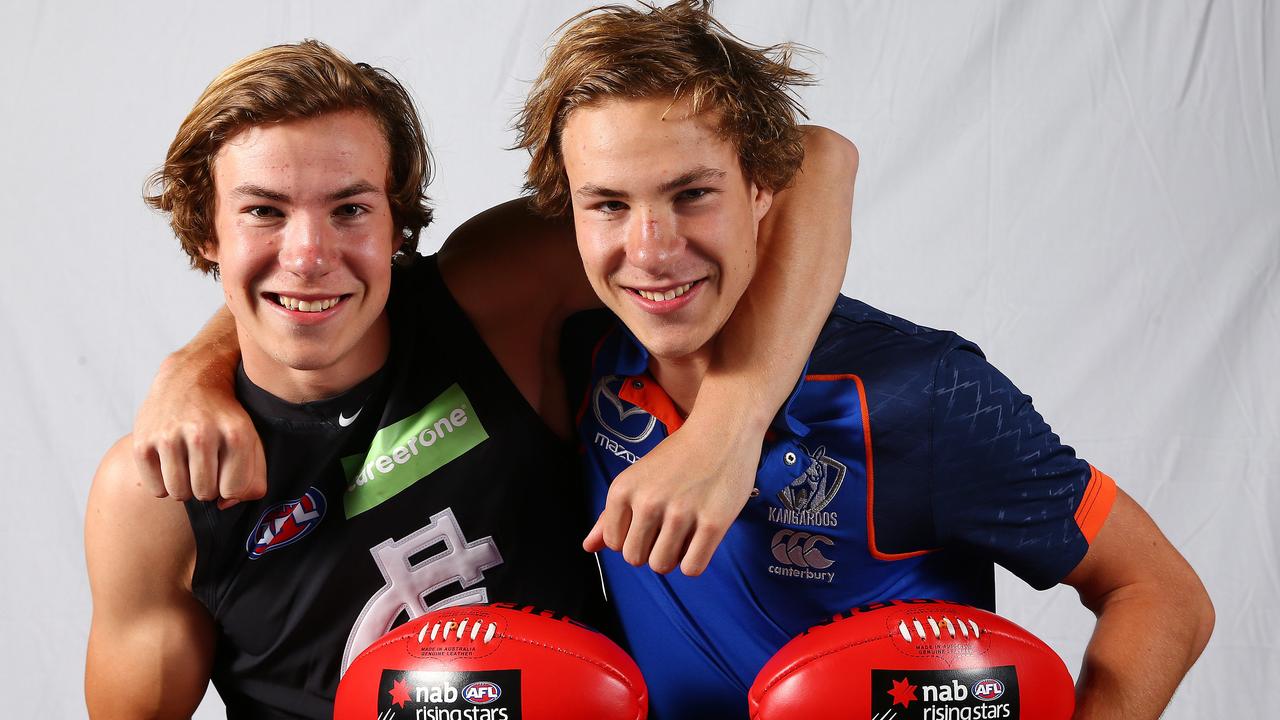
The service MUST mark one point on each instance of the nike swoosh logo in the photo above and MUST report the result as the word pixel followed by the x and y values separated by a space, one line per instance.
pixel 344 421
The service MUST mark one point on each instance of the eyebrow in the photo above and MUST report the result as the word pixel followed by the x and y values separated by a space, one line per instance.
pixel 698 174
pixel 357 188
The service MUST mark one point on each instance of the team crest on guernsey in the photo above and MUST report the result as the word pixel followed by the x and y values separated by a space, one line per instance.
pixel 286 523
pixel 817 487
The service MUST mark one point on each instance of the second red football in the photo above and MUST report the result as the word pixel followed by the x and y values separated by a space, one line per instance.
pixel 914 660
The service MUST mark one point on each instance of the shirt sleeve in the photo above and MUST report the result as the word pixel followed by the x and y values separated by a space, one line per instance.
pixel 1004 486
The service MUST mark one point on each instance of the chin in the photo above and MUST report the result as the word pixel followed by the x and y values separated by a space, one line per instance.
pixel 669 346
pixel 308 360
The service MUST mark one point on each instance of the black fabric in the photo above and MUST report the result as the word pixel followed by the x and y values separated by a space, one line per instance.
pixel 285 616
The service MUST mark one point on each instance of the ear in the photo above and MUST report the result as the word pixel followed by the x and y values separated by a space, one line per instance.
pixel 210 251
pixel 761 201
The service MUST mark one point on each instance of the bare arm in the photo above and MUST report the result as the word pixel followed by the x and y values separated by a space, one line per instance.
pixel 1154 618
pixel 150 642
pixel 518 276
pixel 677 503
pixel 191 437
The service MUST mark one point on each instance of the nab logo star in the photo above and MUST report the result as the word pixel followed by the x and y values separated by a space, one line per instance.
pixel 903 693
pixel 399 693
pixel 286 523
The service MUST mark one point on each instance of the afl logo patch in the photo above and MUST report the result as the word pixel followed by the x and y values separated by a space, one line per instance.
pixel 988 689
pixel 286 523
pixel 481 693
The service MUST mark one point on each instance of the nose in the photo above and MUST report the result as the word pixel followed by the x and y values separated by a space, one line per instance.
pixel 309 249
pixel 653 241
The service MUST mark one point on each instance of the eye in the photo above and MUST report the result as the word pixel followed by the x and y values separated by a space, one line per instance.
pixel 350 210
pixel 263 212
pixel 610 207
pixel 693 194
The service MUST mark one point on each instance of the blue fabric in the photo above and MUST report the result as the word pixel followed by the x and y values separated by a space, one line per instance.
pixel 963 472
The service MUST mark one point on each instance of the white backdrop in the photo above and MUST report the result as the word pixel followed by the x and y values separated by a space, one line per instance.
pixel 1090 190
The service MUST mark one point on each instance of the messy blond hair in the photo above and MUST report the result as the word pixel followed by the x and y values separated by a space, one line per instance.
pixel 289 82
pixel 679 51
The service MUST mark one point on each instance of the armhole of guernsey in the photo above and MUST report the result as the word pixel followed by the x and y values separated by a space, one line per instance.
pixel 1095 503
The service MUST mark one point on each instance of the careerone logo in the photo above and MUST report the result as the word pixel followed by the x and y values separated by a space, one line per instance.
pixel 407 451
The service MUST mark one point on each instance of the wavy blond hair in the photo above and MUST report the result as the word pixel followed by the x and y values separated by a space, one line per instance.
pixel 289 82
pixel 678 51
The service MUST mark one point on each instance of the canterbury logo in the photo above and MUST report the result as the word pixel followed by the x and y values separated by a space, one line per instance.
pixel 801 549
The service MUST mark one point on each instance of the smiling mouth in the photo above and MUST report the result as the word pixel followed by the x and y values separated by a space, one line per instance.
pixel 306 306
pixel 661 295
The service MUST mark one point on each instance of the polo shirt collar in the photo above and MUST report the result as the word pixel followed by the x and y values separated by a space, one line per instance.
pixel 631 361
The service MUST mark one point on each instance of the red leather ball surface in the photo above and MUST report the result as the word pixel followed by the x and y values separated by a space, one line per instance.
pixel 492 662
pixel 914 660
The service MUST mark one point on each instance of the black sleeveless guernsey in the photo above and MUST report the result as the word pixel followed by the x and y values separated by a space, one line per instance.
pixel 432 483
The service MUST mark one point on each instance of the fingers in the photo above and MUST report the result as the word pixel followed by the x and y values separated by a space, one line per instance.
pixel 595 538
pixel 202 463
pixel 616 519
pixel 705 540
pixel 147 461
pixel 645 523
pixel 173 466
pixel 241 467
pixel 672 542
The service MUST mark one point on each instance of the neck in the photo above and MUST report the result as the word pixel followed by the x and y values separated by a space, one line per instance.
pixel 281 376
pixel 681 377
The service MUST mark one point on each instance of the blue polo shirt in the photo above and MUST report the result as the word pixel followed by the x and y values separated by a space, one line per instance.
pixel 902 465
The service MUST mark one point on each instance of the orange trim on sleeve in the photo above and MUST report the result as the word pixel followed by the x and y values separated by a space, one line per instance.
pixel 1095 504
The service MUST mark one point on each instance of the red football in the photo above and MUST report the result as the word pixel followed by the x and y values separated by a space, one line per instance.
pixel 492 662
pixel 914 660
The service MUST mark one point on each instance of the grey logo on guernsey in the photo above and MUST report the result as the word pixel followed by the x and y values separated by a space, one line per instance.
pixel 800 556
pixel 632 424
pixel 801 549
pixel 410 580
pixel 817 487
pixel 616 448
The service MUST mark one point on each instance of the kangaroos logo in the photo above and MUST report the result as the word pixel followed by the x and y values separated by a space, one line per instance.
pixel 286 523
pixel 817 487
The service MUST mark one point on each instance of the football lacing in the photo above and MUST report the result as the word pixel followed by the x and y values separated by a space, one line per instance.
pixel 937 630
pixel 448 627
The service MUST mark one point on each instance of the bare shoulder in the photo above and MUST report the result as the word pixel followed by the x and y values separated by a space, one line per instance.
pixel 130 533
pixel 508 262
pixel 150 642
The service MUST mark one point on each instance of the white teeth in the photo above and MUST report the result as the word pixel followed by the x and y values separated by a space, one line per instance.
pixel 668 295
pixel 306 305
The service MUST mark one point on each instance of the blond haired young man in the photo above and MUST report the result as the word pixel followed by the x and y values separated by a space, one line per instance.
pixel 902 465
